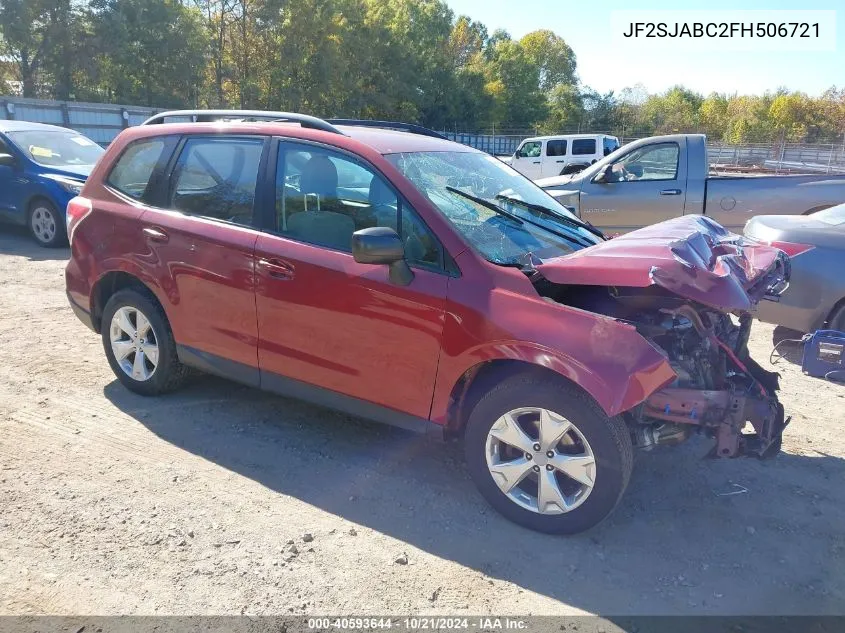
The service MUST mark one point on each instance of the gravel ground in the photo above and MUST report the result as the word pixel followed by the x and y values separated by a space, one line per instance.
pixel 220 499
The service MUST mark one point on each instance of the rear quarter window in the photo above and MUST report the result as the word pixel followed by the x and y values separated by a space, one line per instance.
pixel 132 172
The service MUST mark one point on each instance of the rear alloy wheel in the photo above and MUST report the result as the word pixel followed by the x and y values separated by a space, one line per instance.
pixel 544 454
pixel 46 225
pixel 139 344
pixel 134 343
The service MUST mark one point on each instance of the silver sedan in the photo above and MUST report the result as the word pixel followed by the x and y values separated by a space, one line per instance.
pixel 816 246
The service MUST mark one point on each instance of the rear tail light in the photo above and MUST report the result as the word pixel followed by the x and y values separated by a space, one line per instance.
pixel 791 248
pixel 77 209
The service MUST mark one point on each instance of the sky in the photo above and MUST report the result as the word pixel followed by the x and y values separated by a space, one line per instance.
pixel 607 63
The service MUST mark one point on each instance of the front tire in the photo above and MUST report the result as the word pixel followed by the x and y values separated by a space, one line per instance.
pixel 139 344
pixel 545 456
pixel 46 225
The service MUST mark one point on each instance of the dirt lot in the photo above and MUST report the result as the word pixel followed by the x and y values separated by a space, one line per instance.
pixel 201 502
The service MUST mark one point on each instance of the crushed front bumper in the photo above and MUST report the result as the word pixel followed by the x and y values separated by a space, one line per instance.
pixel 724 414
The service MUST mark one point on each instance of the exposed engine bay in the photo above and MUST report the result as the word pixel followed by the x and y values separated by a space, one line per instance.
pixel 719 387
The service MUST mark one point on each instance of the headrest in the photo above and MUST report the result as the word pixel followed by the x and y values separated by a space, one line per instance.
pixel 319 176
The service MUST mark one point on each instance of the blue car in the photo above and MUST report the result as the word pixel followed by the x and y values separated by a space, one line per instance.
pixel 41 168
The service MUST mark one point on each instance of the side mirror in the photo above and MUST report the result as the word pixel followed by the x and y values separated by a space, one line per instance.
pixel 7 160
pixel 382 245
pixel 603 176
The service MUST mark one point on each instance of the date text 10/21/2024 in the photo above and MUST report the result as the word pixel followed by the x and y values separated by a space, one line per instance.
pixel 422 623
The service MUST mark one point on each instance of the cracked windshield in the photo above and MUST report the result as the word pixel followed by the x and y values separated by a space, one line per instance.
pixel 500 213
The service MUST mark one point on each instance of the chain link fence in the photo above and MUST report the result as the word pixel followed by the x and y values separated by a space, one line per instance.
pixel 102 122
pixel 778 158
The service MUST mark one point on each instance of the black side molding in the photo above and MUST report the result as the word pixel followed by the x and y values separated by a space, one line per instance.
pixel 284 386
pixel 213 364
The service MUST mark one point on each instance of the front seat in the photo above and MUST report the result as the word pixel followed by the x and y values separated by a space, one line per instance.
pixel 316 224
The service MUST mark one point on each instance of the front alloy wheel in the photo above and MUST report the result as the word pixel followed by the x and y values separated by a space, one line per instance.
pixel 134 343
pixel 545 455
pixel 540 460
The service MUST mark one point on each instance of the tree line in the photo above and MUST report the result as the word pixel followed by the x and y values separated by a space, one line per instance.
pixel 410 60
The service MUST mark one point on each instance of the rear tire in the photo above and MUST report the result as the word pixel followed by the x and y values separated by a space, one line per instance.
pixel 606 440
pixel 145 360
pixel 46 225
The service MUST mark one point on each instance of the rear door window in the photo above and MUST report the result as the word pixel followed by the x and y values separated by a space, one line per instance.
pixel 132 173
pixel 216 177
pixel 584 146
pixel 556 148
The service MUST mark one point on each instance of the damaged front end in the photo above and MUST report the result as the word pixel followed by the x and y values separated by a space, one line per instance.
pixel 690 294
pixel 719 388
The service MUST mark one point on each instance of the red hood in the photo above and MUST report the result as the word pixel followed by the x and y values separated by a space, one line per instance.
pixel 692 256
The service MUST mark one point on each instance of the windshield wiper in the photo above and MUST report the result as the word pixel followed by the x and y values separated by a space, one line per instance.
pixel 487 205
pixel 508 214
pixel 551 212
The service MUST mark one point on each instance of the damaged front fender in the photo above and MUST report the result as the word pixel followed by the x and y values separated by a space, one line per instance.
pixel 607 358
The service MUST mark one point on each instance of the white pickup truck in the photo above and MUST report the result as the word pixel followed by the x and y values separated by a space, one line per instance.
pixel 661 177
pixel 542 156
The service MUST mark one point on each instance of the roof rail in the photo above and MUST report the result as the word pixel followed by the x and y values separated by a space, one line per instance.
pixel 390 125
pixel 199 116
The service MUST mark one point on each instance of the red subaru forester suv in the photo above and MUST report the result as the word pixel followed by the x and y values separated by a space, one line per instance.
pixel 408 279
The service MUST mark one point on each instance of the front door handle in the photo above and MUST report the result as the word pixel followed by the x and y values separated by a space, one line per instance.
pixel 155 234
pixel 670 192
pixel 276 268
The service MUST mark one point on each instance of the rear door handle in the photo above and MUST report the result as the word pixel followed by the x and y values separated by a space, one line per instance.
pixel 536 162
pixel 562 160
pixel 276 268
pixel 670 192
pixel 155 234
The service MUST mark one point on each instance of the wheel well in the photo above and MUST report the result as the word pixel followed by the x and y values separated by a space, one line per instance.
pixel 109 284
pixel 837 306
pixel 477 381
pixel 30 205
pixel 573 168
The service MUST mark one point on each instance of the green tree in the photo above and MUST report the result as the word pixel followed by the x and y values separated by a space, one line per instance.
pixel 466 41
pixel 599 111
pixel 792 115
pixel 566 109
pixel 552 56
pixel 675 111
pixel 217 17
pixel 713 116
pixel 25 33
pixel 513 81
pixel 151 51
pixel 747 120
